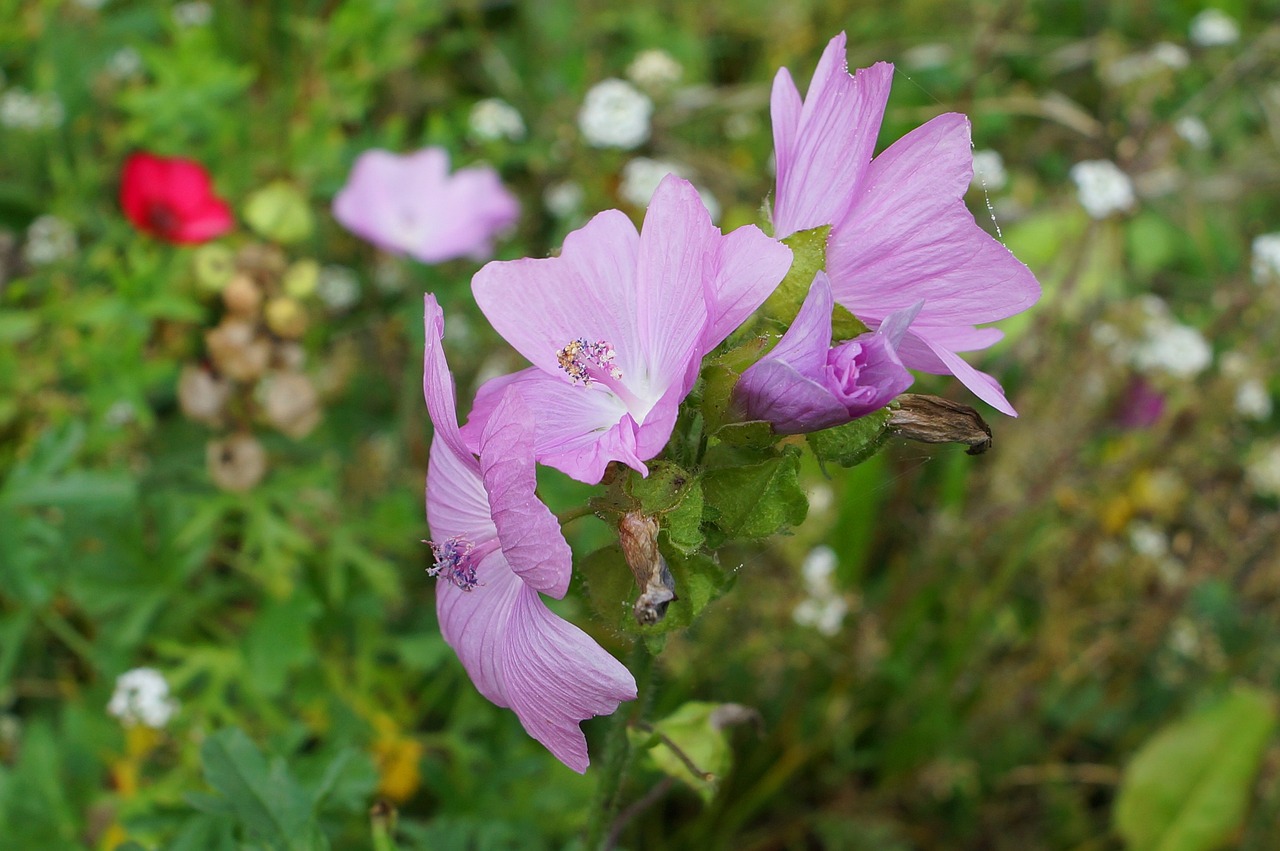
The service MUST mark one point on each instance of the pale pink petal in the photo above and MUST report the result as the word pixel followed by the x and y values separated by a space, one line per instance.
pixel 457 505
pixel 474 622
pixel 805 344
pixel 588 292
pixel 676 245
pixel 982 385
pixel 749 266
pixel 909 237
pixel 784 111
pixel 793 403
pixel 437 382
pixel 556 676
pixel 531 539
pixel 838 126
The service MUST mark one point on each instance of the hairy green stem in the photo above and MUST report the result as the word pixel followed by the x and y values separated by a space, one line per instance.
pixel 618 755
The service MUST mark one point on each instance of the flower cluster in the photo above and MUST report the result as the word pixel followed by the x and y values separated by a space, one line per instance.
pixel 617 328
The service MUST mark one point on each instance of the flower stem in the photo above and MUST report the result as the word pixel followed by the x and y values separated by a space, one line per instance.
pixel 618 755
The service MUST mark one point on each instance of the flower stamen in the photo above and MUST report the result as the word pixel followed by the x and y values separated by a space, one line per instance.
pixel 586 363
pixel 455 561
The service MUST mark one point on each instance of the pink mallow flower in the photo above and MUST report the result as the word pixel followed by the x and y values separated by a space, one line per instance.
pixel 497 548
pixel 900 230
pixel 617 326
pixel 804 384
pixel 411 205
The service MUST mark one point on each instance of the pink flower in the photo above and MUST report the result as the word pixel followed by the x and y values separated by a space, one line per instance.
pixel 803 384
pixel 172 198
pixel 617 325
pixel 900 230
pixel 411 205
pixel 497 548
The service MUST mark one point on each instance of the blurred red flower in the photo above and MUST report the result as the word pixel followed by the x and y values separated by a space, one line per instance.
pixel 172 198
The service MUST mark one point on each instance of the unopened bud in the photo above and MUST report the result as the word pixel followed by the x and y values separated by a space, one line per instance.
pixel 237 463
pixel 638 536
pixel 930 419
pixel 286 318
pixel 242 296
pixel 290 403
pixel 237 351
pixel 201 395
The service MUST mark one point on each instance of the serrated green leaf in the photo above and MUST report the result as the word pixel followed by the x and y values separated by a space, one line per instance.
pixel 756 500
pixel 809 256
pixel 663 489
pixel 852 443
pixel 1188 787
pixel 703 745
pixel 612 591
pixel 683 524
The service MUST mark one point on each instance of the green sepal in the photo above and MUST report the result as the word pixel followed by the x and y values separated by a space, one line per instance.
pixel 720 375
pixel 611 589
pixel 809 256
pixel 852 443
pixel 756 500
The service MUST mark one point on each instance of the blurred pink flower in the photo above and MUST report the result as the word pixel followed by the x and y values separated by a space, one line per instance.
pixel 617 325
pixel 900 230
pixel 497 547
pixel 804 384
pixel 411 205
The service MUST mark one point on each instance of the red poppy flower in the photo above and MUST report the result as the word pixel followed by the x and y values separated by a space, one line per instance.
pixel 172 198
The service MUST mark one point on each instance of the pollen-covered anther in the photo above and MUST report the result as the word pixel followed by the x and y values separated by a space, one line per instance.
pixel 454 562
pixel 584 362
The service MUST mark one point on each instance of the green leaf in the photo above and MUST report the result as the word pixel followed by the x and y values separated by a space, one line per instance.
pixel 683 524
pixel 612 591
pixel 663 489
pixel 756 500
pixel 279 212
pixel 1188 786
pixel 809 256
pixel 703 745
pixel 852 443
pixel 279 641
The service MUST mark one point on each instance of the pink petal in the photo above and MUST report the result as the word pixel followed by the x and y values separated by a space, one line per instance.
pixel 676 244
pixel 793 403
pixel 749 266
pixel 437 383
pixel 588 292
pixel 784 111
pixel 805 344
pixel 530 536
pixel 983 386
pixel 473 623
pixel 457 504
pixel 557 676
pixel 838 126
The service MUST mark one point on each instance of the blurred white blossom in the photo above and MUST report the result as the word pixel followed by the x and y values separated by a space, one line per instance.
pixel 49 239
pixel 125 63
pixel 142 696
pixel 338 288
pixel 641 176
pixel 492 119
pixel 193 13
pixel 22 110
pixel 1165 56
pixel 824 608
pixel 1213 28
pixel 1262 469
pixel 1172 348
pixel 654 70
pixel 1148 540
pixel 1102 187
pixel 1192 131
pixel 615 114
pixel 1266 258
pixel 1252 400
pixel 564 200
pixel 988 170
pixel 925 57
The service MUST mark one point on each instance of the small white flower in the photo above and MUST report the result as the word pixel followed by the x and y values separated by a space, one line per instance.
pixel 1253 402
pixel 925 57
pixel 22 110
pixel 1214 28
pixel 825 615
pixel 1266 258
pixel 564 200
pixel 1171 55
pixel 655 70
pixel 193 13
pixel 125 63
pixel 1148 540
pixel 988 170
pixel 492 119
pixel 1263 469
pixel 1102 187
pixel 142 697
pixel 1174 349
pixel 1139 66
pixel 818 569
pixel 1192 131
pixel 615 114
pixel 641 176
pixel 338 288
pixel 49 239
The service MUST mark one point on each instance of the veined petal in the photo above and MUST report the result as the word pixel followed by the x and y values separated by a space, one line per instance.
pixel 838 126
pixel 588 292
pixel 749 266
pixel 784 111
pixel 792 403
pixel 676 249
pixel 457 504
pixel 805 344
pixel 531 539
pixel 909 236
pixel 474 623
pixel 556 676
pixel 983 386
pixel 437 384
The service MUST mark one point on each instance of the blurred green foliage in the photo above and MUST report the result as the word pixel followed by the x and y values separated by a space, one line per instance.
pixel 1020 627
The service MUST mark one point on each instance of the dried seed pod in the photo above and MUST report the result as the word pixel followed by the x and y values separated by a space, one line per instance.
pixel 290 403
pixel 930 419
pixel 203 395
pixel 638 535
pixel 237 350
pixel 236 463
pixel 242 296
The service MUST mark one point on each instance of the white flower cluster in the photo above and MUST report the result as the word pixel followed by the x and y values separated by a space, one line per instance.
pixel 641 176
pixel 615 114
pixel 23 110
pixel 1263 469
pixel 493 119
pixel 49 239
pixel 193 13
pixel 1252 400
pixel 1214 28
pixel 1266 258
pixel 824 608
pixel 988 170
pixel 1102 187
pixel 1164 345
pixel 338 288
pixel 142 696
pixel 655 70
